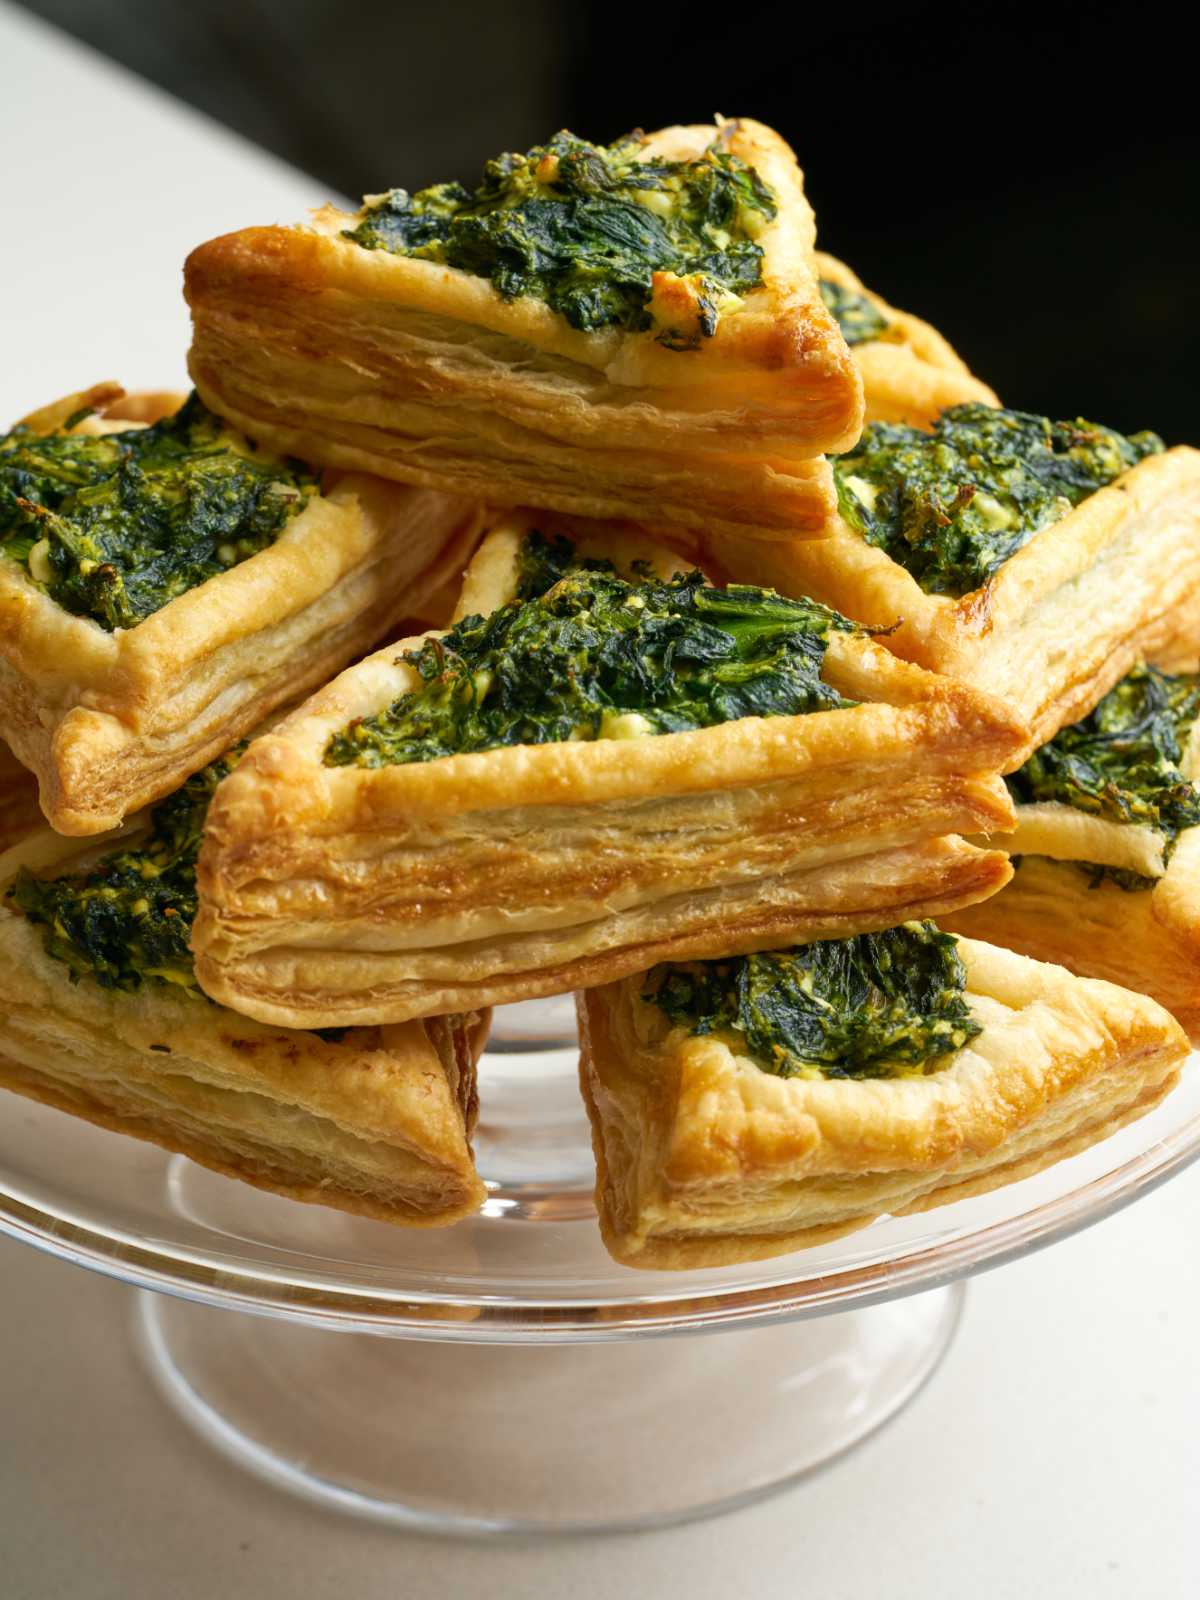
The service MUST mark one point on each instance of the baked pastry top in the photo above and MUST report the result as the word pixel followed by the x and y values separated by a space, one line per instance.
pixel 100 1016
pixel 597 768
pixel 1108 841
pixel 910 373
pixel 1036 560
pixel 745 1108
pixel 164 584
pixel 625 331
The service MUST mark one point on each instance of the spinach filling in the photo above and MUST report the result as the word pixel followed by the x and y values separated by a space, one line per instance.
pixel 127 920
pixel 953 505
pixel 1126 880
pixel 1124 760
pixel 585 227
pixel 585 654
pixel 1096 873
pixel 113 527
pixel 879 1005
pixel 860 320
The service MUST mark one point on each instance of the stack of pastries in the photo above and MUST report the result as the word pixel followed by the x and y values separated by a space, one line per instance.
pixel 578 582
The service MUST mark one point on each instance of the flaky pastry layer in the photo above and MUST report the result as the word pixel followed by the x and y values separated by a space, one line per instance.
pixel 362 359
pixel 703 1159
pixel 19 810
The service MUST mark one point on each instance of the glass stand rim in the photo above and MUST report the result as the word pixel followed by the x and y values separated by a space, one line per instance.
pixel 370 1309
pixel 530 1266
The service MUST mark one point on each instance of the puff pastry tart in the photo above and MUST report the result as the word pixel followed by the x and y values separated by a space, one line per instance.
pixel 1038 560
pixel 910 373
pixel 626 331
pixel 164 584
pixel 100 1016
pixel 593 771
pixel 743 1109
pixel 1108 846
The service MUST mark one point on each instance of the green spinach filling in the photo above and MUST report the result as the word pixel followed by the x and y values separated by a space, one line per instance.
pixel 1128 881
pixel 585 654
pixel 585 227
pixel 115 526
pixel 127 920
pixel 1124 760
pixel 1096 873
pixel 953 505
pixel 859 318
pixel 879 1005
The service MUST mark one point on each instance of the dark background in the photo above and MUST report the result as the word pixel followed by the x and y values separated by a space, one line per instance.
pixel 1025 178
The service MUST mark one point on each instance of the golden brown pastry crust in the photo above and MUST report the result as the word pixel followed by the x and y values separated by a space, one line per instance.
pixel 361 359
pixel 377 1123
pixel 110 722
pixel 703 1159
pixel 1116 579
pixel 910 373
pixel 345 894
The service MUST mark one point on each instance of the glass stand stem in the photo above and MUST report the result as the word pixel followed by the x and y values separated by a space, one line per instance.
pixel 493 1439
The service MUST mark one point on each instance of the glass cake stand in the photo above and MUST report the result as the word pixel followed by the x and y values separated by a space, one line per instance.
pixel 504 1375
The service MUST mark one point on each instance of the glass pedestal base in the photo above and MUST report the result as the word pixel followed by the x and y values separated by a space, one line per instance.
pixel 537 1438
pixel 505 1375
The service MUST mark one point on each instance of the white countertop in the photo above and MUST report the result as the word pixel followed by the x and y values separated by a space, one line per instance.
pixel 1056 1453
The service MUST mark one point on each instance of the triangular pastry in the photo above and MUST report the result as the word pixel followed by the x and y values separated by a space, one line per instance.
pixel 747 1108
pixel 623 331
pixel 604 766
pixel 100 1016
pixel 1037 560
pixel 165 584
